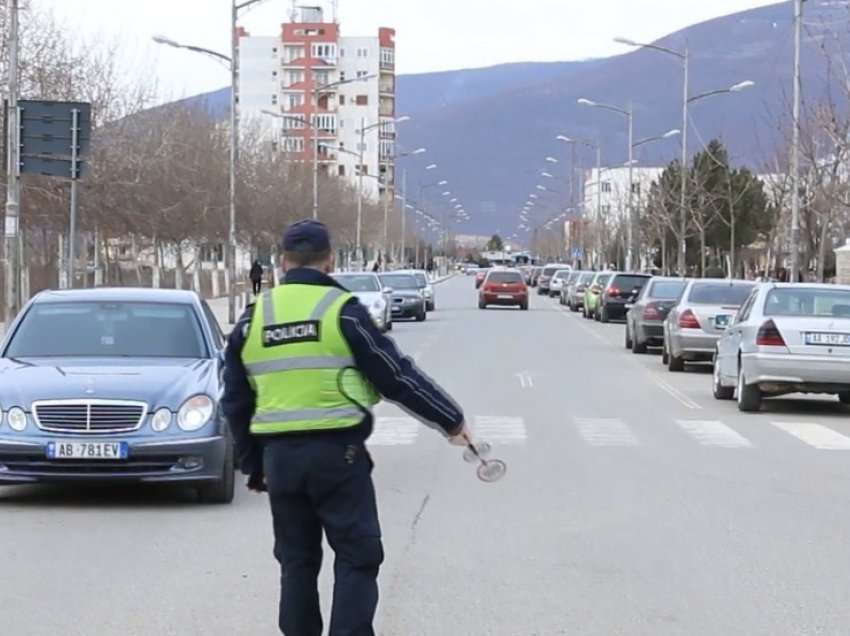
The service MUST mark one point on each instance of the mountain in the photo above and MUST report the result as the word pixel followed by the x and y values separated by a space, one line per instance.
pixel 490 129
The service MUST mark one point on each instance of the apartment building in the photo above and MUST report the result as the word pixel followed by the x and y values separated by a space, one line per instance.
pixel 613 185
pixel 297 75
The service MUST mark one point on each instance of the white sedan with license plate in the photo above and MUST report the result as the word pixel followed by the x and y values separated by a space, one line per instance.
pixel 787 338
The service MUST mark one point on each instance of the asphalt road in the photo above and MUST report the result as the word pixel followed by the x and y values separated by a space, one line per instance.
pixel 634 504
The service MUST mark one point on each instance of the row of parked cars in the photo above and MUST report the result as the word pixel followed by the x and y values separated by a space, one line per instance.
pixel 396 295
pixel 762 339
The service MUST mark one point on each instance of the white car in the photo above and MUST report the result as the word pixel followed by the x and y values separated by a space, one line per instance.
pixel 786 338
pixel 371 294
pixel 556 283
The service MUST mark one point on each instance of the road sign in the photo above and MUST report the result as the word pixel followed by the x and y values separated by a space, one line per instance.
pixel 47 128
pixel 52 167
pixel 578 253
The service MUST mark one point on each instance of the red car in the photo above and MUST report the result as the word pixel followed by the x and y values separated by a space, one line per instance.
pixel 503 287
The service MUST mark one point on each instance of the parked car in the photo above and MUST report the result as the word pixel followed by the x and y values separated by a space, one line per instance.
pixel 372 294
pixel 704 311
pixel 534 276
pixel 427 288
pixel 622 288
pixel 115 385
pixel 574 276
pixel 594 292
pixel 645 320
pixel 576 289
pixel 557 281
pixel 408 298
pixel 786 338
pixel 479 276
pixel 503 287
pixel 546 276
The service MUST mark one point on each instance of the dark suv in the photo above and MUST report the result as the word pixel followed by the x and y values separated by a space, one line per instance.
pixel 621 290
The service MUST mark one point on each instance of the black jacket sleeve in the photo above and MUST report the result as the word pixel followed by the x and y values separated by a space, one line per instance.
pixel 239 400
pixel 395 376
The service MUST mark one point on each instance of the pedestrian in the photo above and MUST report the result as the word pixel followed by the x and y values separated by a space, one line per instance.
pixel 256 276
pixel 303 368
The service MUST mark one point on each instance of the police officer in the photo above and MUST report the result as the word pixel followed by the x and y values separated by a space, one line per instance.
pixel 304 366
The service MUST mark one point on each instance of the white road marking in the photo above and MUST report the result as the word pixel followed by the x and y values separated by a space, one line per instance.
pixel 714 433
pixel 815 435
pixel 525 380
pixel 500 430
pixel 605 432
pixel 677 395
pixel 394 431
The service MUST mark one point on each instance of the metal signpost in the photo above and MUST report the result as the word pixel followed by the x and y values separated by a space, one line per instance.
pixel 54 138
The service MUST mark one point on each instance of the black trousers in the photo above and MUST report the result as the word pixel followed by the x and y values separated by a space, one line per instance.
pixel 257 285
pixel 316 486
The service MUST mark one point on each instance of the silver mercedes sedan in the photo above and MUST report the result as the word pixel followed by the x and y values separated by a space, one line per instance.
pixel 705 309
pixel 787 338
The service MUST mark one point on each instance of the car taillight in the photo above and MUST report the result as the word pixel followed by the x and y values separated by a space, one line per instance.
pixel 614 291
pixel 688 320
pixel 652 312
pixel 768 336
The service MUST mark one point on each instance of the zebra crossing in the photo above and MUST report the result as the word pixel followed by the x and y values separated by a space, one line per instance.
pixel 611 432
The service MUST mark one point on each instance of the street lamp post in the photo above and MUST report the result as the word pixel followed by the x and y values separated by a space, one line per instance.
pixel 795 147
pixel 687 100
pixel 10 236
pixel 598 147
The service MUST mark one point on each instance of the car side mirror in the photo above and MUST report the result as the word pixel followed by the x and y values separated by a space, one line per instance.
pixel 387 290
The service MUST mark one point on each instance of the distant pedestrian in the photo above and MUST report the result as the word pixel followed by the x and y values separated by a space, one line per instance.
pixel 256 275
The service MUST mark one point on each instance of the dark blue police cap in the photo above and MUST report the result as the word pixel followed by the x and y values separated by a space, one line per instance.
pixel 306 236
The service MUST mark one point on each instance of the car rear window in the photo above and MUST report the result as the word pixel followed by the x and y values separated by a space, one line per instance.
pixel 628 283
pixel 586 279
pixel 550 271
pixel 107 330
pixel 603 280
pixel 826 303
pixel 504 277
pixel 562 274
pixel 666 289
pixel 719 293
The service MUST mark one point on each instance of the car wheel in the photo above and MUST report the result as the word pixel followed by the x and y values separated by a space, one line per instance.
pixel 675 363
pixel 749 395
pixel 422 315
pixel 720 392
pixel 665 357
pixel 629 344
pixel 603 315
pixel 222 490
pixel 481 305
pixel 596 314
pixel 638 346
pixel 844 397
pixel 389 325
pixel 524 306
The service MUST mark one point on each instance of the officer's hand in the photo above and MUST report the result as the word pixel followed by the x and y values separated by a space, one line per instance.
pixel 463 438
pixel 257 483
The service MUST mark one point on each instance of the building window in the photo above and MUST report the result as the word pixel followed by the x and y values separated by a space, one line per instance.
pixel 274 50
pixel 274 73
pixel 362 74
pixel 636 188
pixel 294 77
pixel 292 53
pixel 324 51
pixel 341 170
pixel 274 100
pixel 342 76
pixel 605 209
pixel 387 56
pixel 362 100
pixel 341 102
pixel 293 144
pixel 295 100
pixel 606 186
pixel 324 122
pixel 342 52
pixel 322 78
pixel 362 52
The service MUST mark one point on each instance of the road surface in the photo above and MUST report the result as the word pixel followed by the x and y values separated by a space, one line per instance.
pixel 634 504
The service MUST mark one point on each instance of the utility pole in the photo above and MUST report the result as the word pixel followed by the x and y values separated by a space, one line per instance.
pixel 234 161
pixel 10 235
pixel 682 264
pixel 599 240
pixel 633 233
pixel 404 217
pixel 358 249
pixel 388 195
pixel 795 148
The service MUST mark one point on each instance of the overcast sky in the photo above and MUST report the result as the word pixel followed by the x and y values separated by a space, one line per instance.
pixel 432 34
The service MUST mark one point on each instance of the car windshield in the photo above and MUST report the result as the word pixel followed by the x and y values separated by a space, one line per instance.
pixel 108 329
pixel 421 279
pixel 359 283
pixel 719 293
pixel 550 271
pixel 666 289
pixel 400 281
pixel 628 283
pixel 504 277
pixel 824 303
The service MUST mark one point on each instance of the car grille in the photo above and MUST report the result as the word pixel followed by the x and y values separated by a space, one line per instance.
pixel 94 417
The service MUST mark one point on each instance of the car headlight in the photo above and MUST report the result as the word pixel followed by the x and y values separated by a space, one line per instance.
pixel 195 413
pixel 378 306
pixel 161 420
pixel 17 419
